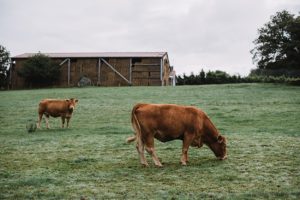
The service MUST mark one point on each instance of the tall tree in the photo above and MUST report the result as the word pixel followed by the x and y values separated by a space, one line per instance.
pixel 202 76
pixel 278 43
pixel 4 63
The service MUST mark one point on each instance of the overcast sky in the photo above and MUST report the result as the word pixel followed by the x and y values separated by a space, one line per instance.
pixel 208 34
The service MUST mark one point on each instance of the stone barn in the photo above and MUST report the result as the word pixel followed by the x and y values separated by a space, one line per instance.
pixel 103 69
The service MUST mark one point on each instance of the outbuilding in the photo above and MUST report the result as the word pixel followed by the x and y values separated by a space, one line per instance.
pixel 103 69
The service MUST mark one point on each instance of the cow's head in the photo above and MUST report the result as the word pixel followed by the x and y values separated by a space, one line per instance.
pixel 218 146
pixel 71 104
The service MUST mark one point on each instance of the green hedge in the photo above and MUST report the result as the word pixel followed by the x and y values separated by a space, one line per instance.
pixel 273 79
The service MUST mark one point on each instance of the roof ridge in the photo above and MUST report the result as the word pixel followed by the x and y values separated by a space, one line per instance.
pixel 97 54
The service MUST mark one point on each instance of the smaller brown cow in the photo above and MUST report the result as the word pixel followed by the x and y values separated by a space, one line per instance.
pixel 56 108
pixel 167 122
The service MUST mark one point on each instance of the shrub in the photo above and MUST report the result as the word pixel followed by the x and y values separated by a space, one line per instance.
pixel 40 70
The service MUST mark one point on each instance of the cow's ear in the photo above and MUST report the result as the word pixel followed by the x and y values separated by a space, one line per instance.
pixel 221 139
pixel 76 100
pixel 67 100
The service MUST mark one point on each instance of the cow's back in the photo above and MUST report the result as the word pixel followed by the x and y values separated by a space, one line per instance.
pixel 53 107
pixel 168 121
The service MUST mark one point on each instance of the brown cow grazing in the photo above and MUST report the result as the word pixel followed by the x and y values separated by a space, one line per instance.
pixel 56 108
pixel 167 122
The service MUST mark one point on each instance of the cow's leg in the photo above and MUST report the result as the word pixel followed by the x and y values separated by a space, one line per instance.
pixel 141 150
pixel 68 120
pixel 187 140
pixel 47 121
pixel 39 120
pixel 150 149
pixel 63 119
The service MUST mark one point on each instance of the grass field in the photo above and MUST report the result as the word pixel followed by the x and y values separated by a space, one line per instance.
pixel 91 159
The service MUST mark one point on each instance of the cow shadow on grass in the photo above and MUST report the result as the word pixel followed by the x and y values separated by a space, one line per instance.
pixel 52 130
pixel 203 163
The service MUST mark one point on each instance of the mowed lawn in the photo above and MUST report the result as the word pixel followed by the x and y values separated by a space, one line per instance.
pixel 91 160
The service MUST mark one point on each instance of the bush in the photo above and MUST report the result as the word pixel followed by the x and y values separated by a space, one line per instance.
pixel 211 77
pixel 275 72
pixel 40 70
pixel 274 79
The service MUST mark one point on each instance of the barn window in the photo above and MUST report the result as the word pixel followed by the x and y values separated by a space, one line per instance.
pixel 136 60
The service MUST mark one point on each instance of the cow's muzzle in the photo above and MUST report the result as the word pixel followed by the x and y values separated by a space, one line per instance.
pixel 71 109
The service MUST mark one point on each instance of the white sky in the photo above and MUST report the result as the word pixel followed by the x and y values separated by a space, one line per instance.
pixel 208 34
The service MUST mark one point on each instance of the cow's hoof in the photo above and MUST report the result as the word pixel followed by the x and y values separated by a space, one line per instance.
pixel 145 165
pixel 183 163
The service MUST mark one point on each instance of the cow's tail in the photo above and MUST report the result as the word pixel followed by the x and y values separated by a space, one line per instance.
pixel 136 126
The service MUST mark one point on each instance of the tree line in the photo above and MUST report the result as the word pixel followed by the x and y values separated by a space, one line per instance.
pixel 221 77
pixel 211 77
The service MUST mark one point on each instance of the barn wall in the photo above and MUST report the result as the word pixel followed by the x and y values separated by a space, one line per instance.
pixel 79 67
pixel 109 78
pixel 145 72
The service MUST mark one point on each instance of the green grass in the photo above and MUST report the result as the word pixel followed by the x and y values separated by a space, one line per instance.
pixel 92 160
